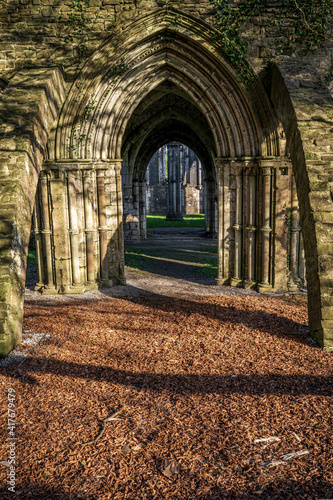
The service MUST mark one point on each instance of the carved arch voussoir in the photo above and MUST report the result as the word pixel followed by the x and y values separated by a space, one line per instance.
pixel 191 58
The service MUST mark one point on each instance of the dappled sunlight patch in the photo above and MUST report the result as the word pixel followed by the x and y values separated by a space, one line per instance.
pixel 218 396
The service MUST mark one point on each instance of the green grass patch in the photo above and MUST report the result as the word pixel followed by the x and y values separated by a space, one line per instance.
pixel 157 260
pixel 134 261
pixel 209 249
pixel 32 254
pixel 154 221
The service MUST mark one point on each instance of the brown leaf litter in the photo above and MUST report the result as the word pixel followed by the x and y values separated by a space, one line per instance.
pixel 220 397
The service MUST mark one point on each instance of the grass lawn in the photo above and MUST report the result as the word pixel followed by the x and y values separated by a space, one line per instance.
pixel 172 261
pixel 188 221
pixel 31 255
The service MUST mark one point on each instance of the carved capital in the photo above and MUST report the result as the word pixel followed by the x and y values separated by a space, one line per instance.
pixel 222 163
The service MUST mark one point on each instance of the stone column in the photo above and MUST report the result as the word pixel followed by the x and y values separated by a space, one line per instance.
pixel 89 229
pixel 220 255
pixel 60 225
pixel 159 165
pixel 174 183
pixel 186 168
pixel 294 239
pixel 301 260
pixel 250 227
pixel 49 287
pixel 266 229
pixel 223 236
pixel 102 229
pixel 135 220
pixel 142 210
pixel 120 235
pixel 210 207
pixel 72 178
pixel 281 193
pixel 39 245
pixel 163 149
pixel 238 227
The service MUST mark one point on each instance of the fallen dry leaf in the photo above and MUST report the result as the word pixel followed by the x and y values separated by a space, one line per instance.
pixel 170 468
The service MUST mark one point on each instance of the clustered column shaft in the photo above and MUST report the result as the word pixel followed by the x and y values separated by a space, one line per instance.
pixel 142 209
pixel 294 238
pixel 120 232
pixel 220 270
pixel 250 217
pixel 174 183
pixel 39 245
pixel 266 226
pixel 238 228
pixel 89 229
pixel 72 178
pixel 103 238
pixel 46 232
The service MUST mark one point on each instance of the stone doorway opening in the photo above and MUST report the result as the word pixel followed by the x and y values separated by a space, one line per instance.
pixel 167 231
pixel 156 87
pixel 175 183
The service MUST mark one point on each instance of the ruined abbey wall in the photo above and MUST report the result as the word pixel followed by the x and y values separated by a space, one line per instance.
pixel 90 90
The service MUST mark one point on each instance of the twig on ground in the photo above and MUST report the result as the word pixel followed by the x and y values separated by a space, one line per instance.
pixel 284 458
pixel 107 419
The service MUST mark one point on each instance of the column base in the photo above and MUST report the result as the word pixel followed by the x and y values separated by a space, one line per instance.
pixel 247 284
pixel 121 281
pixel 105 283
pixel 91 285
pixel 292 287
pixel 264 288
pixel 236 282
pixel 49 290
pixel 221 281
pixel 73 289
pixel 39 286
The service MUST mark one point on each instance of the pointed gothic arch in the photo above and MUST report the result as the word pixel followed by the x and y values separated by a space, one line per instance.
pixel 79 209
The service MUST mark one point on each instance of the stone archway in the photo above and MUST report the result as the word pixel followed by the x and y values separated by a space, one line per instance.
pixel 102 124
pixel 79 209
pixel 170 115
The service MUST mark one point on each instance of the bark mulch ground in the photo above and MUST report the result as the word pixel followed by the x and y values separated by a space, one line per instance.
pixel 154 397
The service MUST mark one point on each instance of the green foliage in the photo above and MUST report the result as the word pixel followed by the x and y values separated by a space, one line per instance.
pixel 175 20
pixel 80 133
pixel 166 38
pixel 308 22
pixel 229 20
pixel 299 23
pixel 73 24
pixel 154 221
pixel 118 69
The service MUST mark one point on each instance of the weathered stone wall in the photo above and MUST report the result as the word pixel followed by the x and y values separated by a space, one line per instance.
pixel 29 107
pixel 39 31
pixel 157 199
pixel 192 200
pixel 305 108
pixel 137 74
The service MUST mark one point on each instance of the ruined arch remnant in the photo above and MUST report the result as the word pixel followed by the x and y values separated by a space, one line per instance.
pixel 79 156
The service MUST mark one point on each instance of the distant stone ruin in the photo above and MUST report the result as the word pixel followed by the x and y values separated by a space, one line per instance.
pixel 177 164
